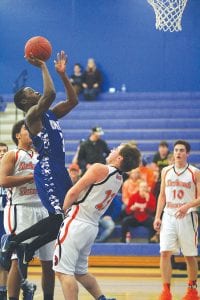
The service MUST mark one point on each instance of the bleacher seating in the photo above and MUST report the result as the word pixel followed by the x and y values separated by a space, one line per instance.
pixel 144 117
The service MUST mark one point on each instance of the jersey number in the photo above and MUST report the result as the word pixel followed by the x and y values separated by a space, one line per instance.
pixel 178 194
pixel 109 196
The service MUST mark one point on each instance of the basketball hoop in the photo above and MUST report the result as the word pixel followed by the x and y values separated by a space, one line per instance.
pixel 168 14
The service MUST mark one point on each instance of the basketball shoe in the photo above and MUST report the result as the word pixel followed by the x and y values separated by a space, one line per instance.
pixel 165 295
pixel 191 294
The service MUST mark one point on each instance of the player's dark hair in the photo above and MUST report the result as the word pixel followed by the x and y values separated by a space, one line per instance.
pixel 3 145
pixel 184 143
pixel 16 129
pixel 131 158
pixel 19 96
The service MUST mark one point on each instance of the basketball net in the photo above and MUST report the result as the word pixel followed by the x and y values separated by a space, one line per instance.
pixel 168 14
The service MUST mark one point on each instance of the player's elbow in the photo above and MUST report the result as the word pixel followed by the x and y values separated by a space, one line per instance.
pixel 52 94
pixel 4 183
pixel 74 101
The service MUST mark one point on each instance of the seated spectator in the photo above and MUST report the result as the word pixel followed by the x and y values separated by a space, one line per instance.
pixel 107 221
pixel 170 159
pixel 77 79
pixel 147 174
pixel 92 80
pixel 160 159
pixel 130 186
pixel 93 150
pixel 74 172
pixel 140 211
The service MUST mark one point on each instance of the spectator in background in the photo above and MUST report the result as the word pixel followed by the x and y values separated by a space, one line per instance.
pixel 140 211
pixel 160 160
pixel 130 186
pixel 3 273
pixel 75 158
pixel 77 79
pixel 74 172
pixel 107 221
pixel 147 173
pixel 93 150
pixel 92 80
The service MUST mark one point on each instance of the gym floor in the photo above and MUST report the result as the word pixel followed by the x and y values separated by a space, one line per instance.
pixel 121 283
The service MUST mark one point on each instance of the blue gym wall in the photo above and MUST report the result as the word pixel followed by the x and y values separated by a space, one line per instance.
pixel 119 34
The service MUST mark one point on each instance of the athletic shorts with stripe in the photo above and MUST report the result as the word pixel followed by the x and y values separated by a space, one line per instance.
pixel 73 246
pixel 179 234
pixel 20 217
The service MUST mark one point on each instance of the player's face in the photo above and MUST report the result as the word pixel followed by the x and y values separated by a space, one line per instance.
pixel 32 96
pixel 3 150
pixel 180 154
pixel 113 155
pixel 24 137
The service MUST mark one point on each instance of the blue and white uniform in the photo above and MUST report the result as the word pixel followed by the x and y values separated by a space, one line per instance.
pixel 51 177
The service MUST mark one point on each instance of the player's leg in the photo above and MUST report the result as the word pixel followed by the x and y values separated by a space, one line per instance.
pixel 188 241
pixel 90 284
pixel 3 273
pixel 48 280
pixel 45 255
pixel 14 280
pixel 69 286
pixel 168 244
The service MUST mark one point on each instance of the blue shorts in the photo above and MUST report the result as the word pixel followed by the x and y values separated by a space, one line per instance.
pixel 52 181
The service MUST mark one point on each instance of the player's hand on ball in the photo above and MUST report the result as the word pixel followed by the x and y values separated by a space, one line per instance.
pixel 34 61
pixel 60 62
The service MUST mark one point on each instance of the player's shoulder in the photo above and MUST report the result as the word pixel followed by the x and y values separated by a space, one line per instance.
pixel 167 168
pixel 193 168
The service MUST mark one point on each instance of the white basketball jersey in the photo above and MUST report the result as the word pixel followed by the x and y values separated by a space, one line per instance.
pixel 93 202
pixel 24 165
pixel 180 188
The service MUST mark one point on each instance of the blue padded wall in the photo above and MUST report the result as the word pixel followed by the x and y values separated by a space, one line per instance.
pixel 120 35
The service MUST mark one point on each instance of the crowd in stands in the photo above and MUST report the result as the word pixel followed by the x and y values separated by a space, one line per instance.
pixel 136 204
pixel 87 81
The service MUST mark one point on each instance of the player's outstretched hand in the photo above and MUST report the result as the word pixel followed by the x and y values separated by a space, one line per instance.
pixel 35 61
pixel 60 62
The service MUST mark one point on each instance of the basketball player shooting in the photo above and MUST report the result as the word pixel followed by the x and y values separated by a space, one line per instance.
pixel 51 177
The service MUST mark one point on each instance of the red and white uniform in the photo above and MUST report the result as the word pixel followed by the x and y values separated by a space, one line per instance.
pixel 179 233
pixel 24 165
pixel 24 207
pixel 80 228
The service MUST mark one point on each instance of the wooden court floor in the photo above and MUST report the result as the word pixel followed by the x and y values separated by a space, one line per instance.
pixel 121 283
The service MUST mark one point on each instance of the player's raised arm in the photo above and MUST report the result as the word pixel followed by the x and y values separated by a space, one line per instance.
pixel 49 93
pixel 63 107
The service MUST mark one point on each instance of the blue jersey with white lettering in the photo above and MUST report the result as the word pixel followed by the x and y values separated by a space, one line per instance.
pixel 51 177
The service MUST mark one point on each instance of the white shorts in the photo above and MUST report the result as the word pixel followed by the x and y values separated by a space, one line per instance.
pixel 179 234
pixel 20 217
pixel 74 247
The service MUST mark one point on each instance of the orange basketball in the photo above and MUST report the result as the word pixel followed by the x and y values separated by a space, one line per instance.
pixel 39 47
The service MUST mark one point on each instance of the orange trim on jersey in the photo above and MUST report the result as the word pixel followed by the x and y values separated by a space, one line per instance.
pixel 167 172
pixel 9 219
pixel 193 177
pixel 194 181
pixel 68 224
